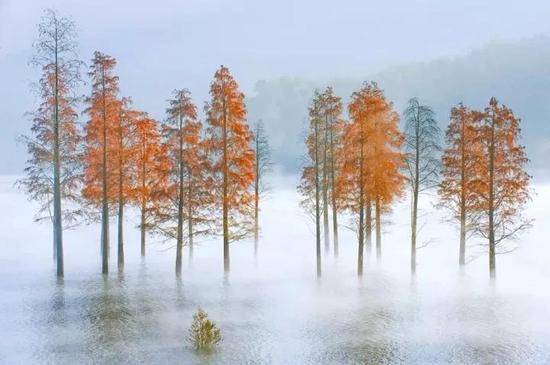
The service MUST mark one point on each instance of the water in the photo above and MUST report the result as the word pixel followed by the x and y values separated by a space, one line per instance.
pixel 272 309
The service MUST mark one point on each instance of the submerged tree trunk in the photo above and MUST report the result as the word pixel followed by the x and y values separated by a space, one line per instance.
pixel 492 253
pixel 378 230
pixel 361 227
pixel 105 196
pixel 57 223
pixel 179 234
pixel 190 217
pixel 333 193
pixel 317 210
pixel 325 189
pixel 226 260
pixel 256 196
pixel 462 247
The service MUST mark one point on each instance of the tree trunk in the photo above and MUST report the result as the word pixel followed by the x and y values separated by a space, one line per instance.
pixel 120 202
pixel 317 210
pixel 257 195
pixel 361 212
pixel 413 230
pixel 190 215
pixel 179 234
pixel 333 192
pixel 462 248
pixel 378 230
pixel 105 197
pixel 368 226
pixel 492 253
pixel 142 228
pixel 57 220
pixel 325 189
pixel 226 260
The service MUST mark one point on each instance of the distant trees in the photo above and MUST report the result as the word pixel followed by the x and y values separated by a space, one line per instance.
pixel 261 167
pixel 53 169
pixel 422 147
pixel 228 141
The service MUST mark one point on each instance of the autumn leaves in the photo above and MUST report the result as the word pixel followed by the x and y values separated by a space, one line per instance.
pixel 185 181
pixel 364 165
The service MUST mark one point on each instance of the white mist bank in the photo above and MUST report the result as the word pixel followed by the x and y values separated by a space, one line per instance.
pixel 272 309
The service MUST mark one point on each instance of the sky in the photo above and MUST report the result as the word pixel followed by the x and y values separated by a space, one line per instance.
pixel 162 45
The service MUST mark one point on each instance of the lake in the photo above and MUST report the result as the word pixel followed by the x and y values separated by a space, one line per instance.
pixel 272 309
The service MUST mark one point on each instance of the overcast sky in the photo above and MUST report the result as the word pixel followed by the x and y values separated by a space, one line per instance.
pixel 161 45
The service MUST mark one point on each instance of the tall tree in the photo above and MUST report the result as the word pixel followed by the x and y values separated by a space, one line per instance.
pixel 261 168
pixel 333 135
pixel 181 114
pixel 309 186
pixel 502 184
pixel 104 111
pixel 122 154
pixel 151 166
pixel 459 163
pixel 233 159
pixel 422 148
pixel 52 172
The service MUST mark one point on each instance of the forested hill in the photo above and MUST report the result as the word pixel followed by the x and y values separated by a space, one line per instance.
pixel 518 74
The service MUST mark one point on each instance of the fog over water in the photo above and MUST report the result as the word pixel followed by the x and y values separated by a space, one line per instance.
pixel 273 309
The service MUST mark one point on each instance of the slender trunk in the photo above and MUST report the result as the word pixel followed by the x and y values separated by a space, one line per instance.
pixel 378 230
pixel 57 222
pixel 257 194
pixel 492 261
pixel 333 191
pixel 415 195
pixel 179 234
pixel 143 227
pixel 226 261
pixel 317 210
pixel 105 196
pixel 120 198
pixel 190 214
pixel 368 226
pixel 462 248
pixel 361 209
pixel 143 205
pixel 325 189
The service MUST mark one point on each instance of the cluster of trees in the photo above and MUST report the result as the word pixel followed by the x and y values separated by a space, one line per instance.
pixel 361 166
pixel 185 179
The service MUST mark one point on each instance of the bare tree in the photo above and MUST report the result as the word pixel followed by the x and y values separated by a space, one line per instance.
pixel 54 122
pixel 263 166
pixel 422 148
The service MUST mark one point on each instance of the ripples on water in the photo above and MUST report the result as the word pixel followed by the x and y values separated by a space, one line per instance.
pixel 271 310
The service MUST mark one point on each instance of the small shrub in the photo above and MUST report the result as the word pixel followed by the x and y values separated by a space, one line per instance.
pixel 204 335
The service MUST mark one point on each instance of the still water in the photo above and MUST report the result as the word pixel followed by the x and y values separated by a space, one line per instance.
pixel 271 308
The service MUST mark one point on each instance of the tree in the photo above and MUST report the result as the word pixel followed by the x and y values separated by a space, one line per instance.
pixel 204 334
pixel 331 163
pixel 151 166
pixel 122 153
pixel 52 171
pixel 422 147
pixel 371 161
pixel 309 186
pixel 179 131
pixel 459 163
pixel 229 139
pixel 261 168
pixel 104 111
pixel 502 184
